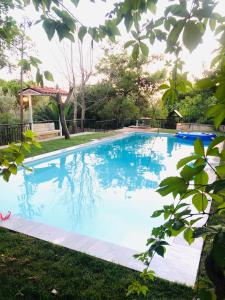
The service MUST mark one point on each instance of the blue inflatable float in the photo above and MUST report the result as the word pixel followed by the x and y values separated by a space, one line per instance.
pixel 195 135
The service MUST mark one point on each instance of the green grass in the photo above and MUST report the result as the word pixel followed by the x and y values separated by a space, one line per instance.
pixel 57 144
pixel 31 269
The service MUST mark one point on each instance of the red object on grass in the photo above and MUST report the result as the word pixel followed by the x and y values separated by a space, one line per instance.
pixel 6 217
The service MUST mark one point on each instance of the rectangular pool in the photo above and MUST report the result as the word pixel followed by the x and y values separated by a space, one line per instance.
pixel 105 191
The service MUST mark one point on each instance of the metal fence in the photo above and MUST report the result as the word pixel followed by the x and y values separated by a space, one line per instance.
pixel 94 125
pixel 12 132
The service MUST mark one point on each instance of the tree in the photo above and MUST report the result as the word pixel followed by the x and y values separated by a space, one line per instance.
pixel 130 85
pixel 193 107
pixel 85 73
pixel 8 108
pixel 61 108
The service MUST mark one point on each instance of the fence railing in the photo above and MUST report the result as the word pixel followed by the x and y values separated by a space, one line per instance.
pixel 12 132
pixel 93 125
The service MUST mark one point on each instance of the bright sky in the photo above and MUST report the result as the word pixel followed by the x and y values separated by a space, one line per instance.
pixel 53 53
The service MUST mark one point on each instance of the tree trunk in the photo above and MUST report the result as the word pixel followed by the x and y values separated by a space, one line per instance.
pixel 83 109
pixel 62 118
pixel 21 81
pixel 75 116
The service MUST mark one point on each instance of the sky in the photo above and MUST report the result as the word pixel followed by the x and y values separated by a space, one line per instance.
pixel 53 54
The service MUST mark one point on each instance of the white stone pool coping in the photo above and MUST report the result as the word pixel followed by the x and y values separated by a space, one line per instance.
pixel 179 265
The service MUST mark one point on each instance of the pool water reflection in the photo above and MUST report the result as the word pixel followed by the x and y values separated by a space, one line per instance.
pixel 106 191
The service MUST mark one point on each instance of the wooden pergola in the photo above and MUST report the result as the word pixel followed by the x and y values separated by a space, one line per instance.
pixel 27 94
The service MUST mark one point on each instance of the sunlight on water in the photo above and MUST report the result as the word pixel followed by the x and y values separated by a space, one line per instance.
pixel 106 191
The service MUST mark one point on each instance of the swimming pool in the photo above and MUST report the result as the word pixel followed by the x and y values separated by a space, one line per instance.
pixel 105 191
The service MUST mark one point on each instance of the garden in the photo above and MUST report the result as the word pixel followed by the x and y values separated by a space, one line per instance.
pixel 133 75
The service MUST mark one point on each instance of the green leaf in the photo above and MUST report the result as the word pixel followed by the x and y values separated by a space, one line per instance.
pixel 6 174
pixel 175 33
pixel 39 78
pixel 75 2
pixel 199 148
pixel 156 213
pixel 152 38
pixel 62 30
pixel 215 142
pixel 49 27
pixel 82 32
pixel 216 197
pixel 200 202
pixel 220 92
pixel 35 61
pixel 151 4
pixel 188 236
pixel 178 10
pixel 201 231
pixel 212 24
pixel 13 169
pixel 189 172
pixel 48 76
pixel 201 178
pixel 128 21
pixel 129 43
pixel 144 49
pixel 112 29
pixel 177 225
pixel 217 186
pixel 160 250
pixel 163 86
pixel 135 52
pixel 221 170
pixel 205 83
pixel 192 35
pixel 217 112
pixel 186 160
pixel 19 159
pixel 172 184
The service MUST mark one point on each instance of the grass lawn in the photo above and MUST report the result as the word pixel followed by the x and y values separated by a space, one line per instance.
pixel 31 269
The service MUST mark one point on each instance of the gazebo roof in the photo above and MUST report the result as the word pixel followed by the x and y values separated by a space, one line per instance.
pixel 44 91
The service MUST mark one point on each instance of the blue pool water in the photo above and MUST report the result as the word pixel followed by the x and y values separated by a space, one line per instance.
pixel 106 191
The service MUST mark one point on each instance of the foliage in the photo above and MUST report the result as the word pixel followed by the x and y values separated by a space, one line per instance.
pixel 8 31
pixel 13 156
pixel 193 107
pixel 12 87
pixel 174 89
pixel 129 89
pixel 120 109
pixel 8 108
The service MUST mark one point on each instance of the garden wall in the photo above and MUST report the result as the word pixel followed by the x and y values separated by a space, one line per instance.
pixel 198 127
